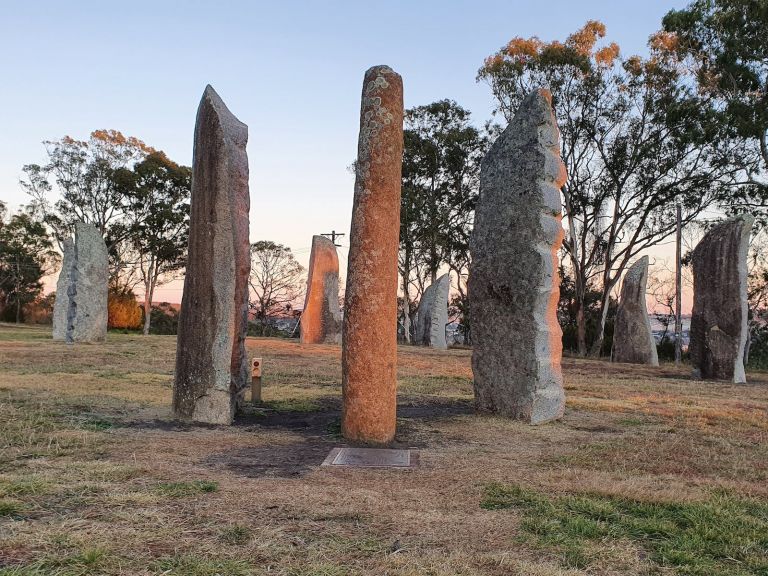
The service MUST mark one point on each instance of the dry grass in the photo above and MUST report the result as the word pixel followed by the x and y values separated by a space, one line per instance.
pixel 96 478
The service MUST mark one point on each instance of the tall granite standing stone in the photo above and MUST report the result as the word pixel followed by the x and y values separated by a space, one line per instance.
pixel 513 283
pixel 719 317
pixel 632 337
pixel 211 364
pixel 432 315
pixel 321 318
pixel 369 351
pixel 80 308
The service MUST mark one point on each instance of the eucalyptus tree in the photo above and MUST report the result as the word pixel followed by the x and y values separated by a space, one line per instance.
pixel 636 139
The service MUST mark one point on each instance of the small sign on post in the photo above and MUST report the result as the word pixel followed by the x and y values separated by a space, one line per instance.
pixel 256 380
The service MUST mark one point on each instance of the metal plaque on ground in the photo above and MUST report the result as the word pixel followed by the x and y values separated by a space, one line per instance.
pixel 372 458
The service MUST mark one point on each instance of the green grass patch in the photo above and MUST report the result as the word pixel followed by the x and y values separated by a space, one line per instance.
pixel 186 489
pixel 721 536
pixel 293 405
pixel 319 570
pixel 10 508
pixel 436 385
pixel 24 486
pixel 237 535
pixel 190 565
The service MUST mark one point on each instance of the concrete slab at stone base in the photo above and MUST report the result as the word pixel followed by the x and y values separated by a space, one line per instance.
pixel 372 458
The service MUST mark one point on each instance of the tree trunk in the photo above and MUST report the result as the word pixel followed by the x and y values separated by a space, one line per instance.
pixel 605 303
pixel 747 346
pixel 581 323
pixel 148 293
pixel 18 311
pixel 406 297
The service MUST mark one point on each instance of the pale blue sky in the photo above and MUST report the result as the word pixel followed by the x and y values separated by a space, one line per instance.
pixel 292 71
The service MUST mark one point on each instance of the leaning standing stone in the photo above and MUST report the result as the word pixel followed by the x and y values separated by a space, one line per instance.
pixel 369 352
pixel 321 318
pixel 211 363
pixel 719 316
pixel 632 337
pixel 432 314
pixel 513 283
pixel 80 308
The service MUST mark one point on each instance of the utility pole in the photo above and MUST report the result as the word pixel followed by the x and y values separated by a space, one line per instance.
pixel 333 235
pixel 678 290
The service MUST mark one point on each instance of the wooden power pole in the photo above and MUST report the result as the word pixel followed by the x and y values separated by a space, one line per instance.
pixel 678 290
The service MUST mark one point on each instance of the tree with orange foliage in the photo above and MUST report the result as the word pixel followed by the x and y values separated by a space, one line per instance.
pixel 635 138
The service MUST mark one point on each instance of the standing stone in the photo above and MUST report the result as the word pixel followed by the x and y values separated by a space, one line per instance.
pixel 80 308
pixel 632 337
pixel 719 317
pixel 211 364
pixel 321 318
pixel 369 352
pixel 513 283
pixel 432 315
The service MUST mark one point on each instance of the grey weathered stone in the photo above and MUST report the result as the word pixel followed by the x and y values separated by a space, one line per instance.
pixel 513 283
pixel 80 308
pixel 719 316
pixel 321 319
pixel 432 315
pixel 632 337
pixel 211 363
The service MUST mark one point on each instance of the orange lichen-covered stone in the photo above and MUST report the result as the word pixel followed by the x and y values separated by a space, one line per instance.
pixel 321 318
pixel 369 352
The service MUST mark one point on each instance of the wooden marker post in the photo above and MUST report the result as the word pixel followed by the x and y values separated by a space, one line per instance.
pixel 256 380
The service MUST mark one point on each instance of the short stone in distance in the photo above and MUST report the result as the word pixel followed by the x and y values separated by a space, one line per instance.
pixel 321 319
pixel 632 336
pixel 80 309
pixel 719 317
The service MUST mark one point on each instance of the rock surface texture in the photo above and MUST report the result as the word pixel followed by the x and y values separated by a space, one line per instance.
pixel 80 308
pixel 369 351
pixel 321 319
pixel 632 337
pixel 432 315
pixel 719 316
pixel 211 364
pixel 514 283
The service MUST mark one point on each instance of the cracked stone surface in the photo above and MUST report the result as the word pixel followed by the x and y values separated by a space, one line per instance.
pixel 212 369
pixel 321 319
pixel 514 281
pixel 369 348
pixel 80 308
pixel 432 315
pixel 719 316
pixel 632 336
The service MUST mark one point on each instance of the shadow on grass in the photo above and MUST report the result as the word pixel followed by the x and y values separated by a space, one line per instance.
pixel 318 431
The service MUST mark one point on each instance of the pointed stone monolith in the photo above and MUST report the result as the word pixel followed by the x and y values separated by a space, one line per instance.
pixel 80 309
pixel 321 318
pixel 211 364
pixel 632 337
pixel 369 352
pixel 432 315
pixel 514 282
pixel 719 317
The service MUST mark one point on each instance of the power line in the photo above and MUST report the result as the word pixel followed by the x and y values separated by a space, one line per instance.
pixel 333 234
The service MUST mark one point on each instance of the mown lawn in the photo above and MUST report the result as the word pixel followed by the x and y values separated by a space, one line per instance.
pixel 648 473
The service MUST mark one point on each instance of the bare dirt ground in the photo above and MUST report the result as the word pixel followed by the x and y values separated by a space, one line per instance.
pixel 642 476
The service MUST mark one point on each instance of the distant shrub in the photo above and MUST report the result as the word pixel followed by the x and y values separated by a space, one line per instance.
pixel 165 319
pixel 40 311
pixel 123 310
